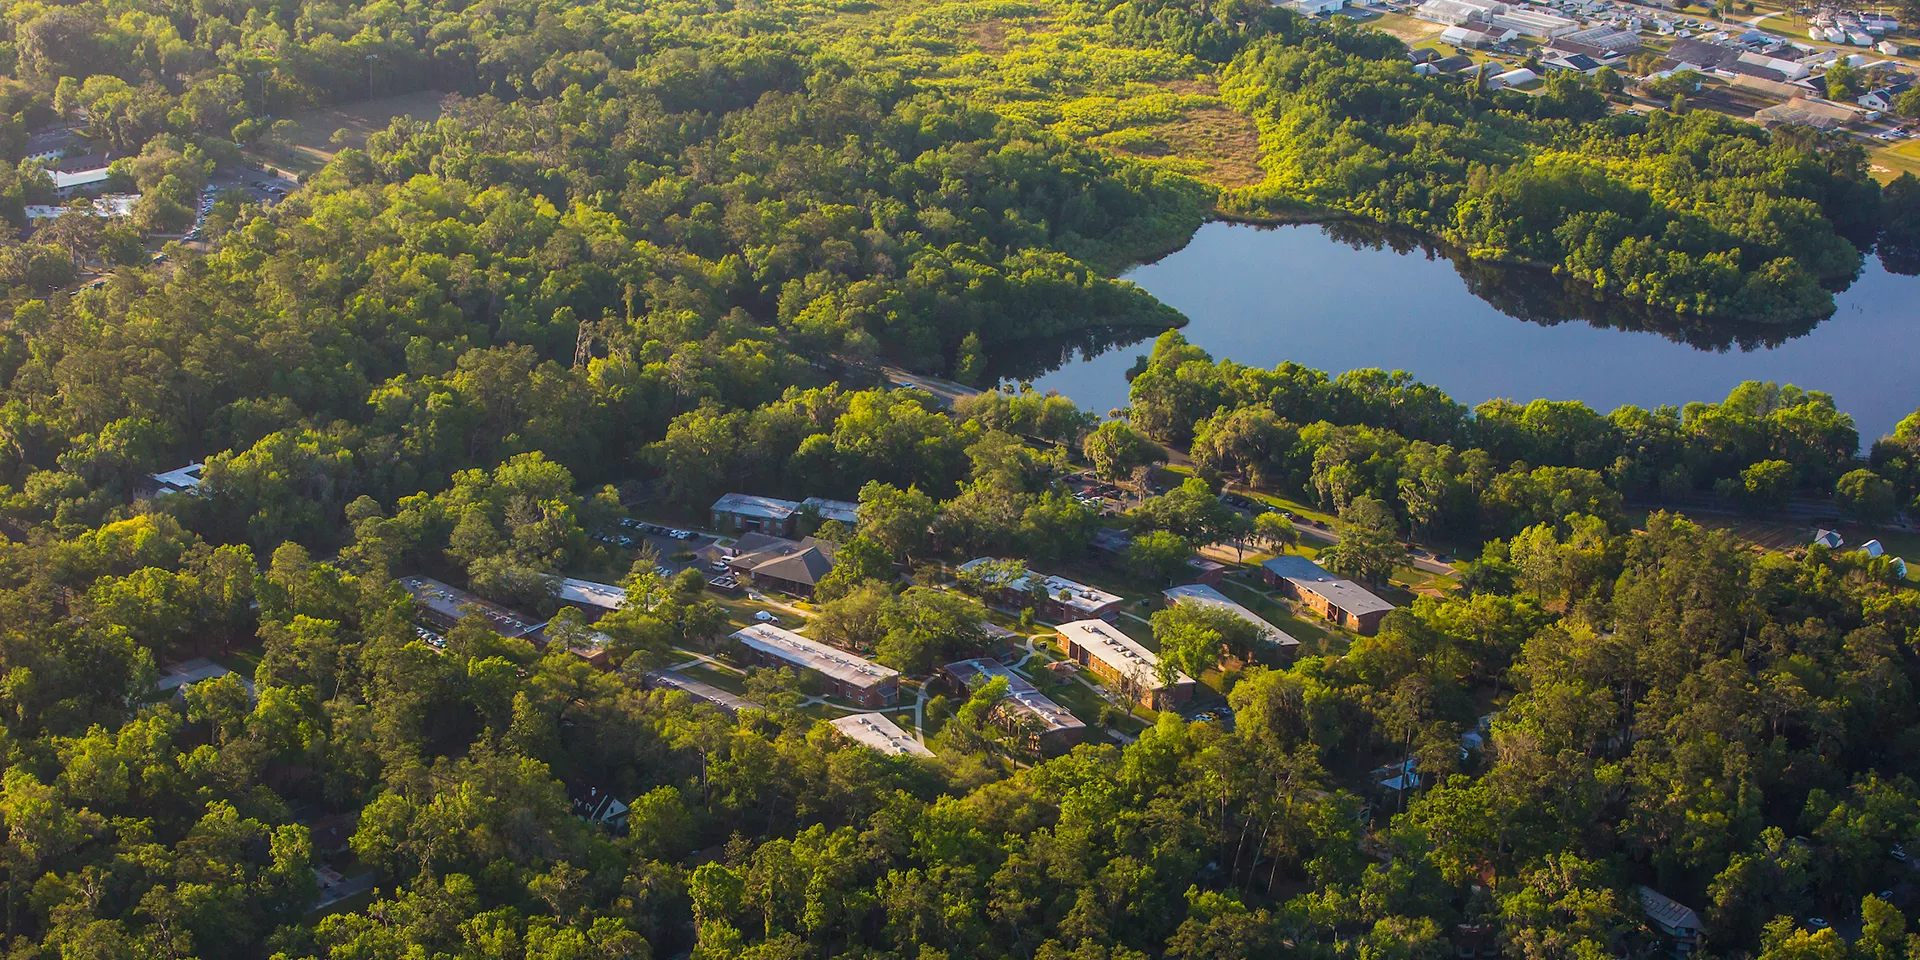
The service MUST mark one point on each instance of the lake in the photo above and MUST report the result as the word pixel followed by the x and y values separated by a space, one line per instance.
pixel 1337 298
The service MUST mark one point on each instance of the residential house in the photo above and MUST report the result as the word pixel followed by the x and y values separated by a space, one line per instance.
pixel 1831 539
pixel 1123 663
pixel 698 690
pixel 178 480
pixel 879 734
pixel 1054 729
pixel 1205 595
pixel 178 677
pixel 1052 598
pixel 598 806
pixel 841 674
pixel 1873 549
pixel 1882 98
pixel 1336 598
pixel 743 512
pixel 1679 927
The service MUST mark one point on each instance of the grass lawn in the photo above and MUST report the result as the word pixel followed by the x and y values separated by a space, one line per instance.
pixel 1888 163
pixel 243 661
pixel 724 679
pixel 1316 636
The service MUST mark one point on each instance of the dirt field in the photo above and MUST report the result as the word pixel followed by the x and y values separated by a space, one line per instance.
pixel 359 120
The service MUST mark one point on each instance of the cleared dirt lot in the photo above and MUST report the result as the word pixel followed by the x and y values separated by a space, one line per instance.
pixel 359 120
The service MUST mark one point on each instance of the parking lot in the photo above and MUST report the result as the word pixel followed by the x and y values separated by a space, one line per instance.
pixel 252 186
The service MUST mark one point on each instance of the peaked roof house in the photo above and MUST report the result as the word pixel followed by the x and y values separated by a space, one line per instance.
pixel 1831 539
pixel 1873 549
pixel 1676 922
pixel 597 806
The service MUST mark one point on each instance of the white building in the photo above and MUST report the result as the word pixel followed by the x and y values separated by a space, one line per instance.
pixel 181 480
pixel 1533 23
pixel 66 184
pixel 598 597
pixel 1456 12
pixel 1514 78
pixel 875 732
pixel 1314 7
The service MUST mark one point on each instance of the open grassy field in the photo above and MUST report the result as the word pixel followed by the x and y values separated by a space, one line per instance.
pixel 358 121
pixel 1409 30
pixel 1890 162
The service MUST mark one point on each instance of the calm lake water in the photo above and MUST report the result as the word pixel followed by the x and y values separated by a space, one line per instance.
pixel 1336 299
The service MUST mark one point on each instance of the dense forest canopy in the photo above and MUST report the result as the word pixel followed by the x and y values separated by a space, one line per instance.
pixel 658 250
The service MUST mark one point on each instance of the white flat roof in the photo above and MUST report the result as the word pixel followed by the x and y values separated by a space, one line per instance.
pixel 186 478
pixel 875 731
pixel 78 178
pixel 841 510
pixel 603 595
pixel 818 657
pixel 1202 594
pixel 1104 642
pixel 1068 593
pixel 748 505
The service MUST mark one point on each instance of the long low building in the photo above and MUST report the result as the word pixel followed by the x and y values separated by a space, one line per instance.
pixel 597 599
pixel 875 732
pixel 1336 598
pixel 1058 729
pixel 1204 595
pixel 1121 661
pixel 698 690
pixel 1053 598
pixel 444 605
pixel 841 673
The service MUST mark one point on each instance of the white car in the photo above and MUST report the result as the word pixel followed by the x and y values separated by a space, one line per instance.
pixel 765 617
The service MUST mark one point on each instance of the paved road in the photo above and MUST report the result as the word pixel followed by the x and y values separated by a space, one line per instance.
pixel 1325 536
pixel 945 391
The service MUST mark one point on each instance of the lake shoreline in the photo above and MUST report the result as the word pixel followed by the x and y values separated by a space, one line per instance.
pixel 1338 296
